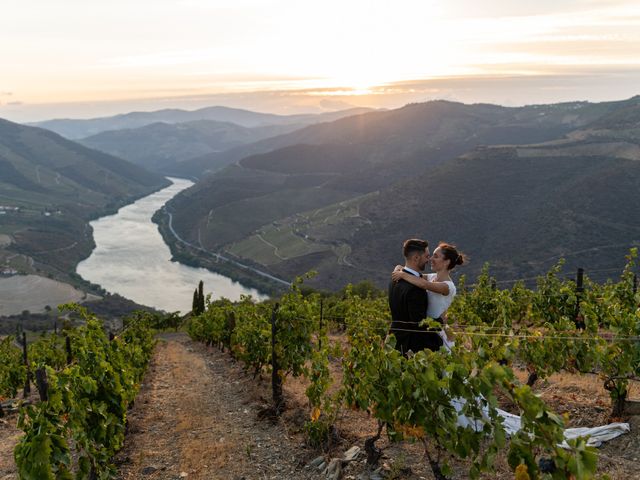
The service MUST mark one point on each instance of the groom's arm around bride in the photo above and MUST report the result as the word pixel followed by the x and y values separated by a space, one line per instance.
pixel 408 303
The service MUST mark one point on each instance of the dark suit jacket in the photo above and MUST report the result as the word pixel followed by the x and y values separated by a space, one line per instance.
pixel 408 305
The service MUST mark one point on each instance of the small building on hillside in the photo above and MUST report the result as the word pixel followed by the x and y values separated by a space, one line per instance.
pixel 8 272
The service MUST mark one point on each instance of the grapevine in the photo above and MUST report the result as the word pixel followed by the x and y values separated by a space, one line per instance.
pixel 83 408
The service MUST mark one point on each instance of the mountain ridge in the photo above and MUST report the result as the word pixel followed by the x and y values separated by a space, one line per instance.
pixel 158 146
pixel 276 197
pixel 81 128
pixel 551 120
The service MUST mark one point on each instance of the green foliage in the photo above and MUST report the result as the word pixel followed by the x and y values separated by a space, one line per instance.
pixel 324 406
pixel 198 303
pixel 448 400
pixel 84 416
pixel 541 433
pixel 13 373
pixel 159 321
pixel 48 350
pixel 296 325
pixel 194 303
pixel 201 301
pixel 554 299
pixel 490 312
pixel 245 328
pixel 538 327
pixel 617 310
pixel 251 338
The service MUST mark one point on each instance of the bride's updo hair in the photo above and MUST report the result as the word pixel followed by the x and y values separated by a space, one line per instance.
pixel 451 253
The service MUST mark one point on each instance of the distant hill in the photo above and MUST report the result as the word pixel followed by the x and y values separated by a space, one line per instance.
pixel 81 128
pixel 434 129
pixel 521 209
pixel 51 187
pixel 343 205
pixel 160 146
pixel 330 162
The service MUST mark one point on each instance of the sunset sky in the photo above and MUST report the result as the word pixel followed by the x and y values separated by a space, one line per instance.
pixel 84 58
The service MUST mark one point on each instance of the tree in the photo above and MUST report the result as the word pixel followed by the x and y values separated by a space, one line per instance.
pixel 201 297
pixel 195 304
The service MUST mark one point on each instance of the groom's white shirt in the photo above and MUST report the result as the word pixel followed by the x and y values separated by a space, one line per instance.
pixel 412 271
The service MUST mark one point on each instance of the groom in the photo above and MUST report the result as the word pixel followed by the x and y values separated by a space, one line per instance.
pixel 408 303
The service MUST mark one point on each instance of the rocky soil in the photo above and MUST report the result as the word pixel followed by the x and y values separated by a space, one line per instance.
pixel 200 416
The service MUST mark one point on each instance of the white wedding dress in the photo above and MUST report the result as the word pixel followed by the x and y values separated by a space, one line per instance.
pixel 438 304
pixel 513 423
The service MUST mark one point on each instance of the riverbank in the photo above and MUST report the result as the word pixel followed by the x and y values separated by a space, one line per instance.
pixel 132 259
pixel 53 246
pixel 243 272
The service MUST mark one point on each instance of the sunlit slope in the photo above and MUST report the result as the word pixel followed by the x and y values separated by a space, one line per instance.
pixel 343 208
pixel 420 133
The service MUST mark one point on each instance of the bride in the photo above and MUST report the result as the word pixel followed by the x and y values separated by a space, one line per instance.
pixel 439 287
pixel 441 291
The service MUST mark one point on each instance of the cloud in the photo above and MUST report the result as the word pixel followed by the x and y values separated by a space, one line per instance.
pixel 562 83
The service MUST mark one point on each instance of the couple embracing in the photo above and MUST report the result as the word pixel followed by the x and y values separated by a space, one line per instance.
pixel 414 295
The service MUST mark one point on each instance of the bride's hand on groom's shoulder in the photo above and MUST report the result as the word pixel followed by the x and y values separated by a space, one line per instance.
pixel 396 275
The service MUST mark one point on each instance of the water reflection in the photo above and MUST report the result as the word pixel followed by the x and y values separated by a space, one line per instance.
pixel 131 259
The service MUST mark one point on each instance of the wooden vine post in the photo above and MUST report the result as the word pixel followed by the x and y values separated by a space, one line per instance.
pixel 25 360
pixel 320 325
pixel 276 379
pixel 42 383
pixel 578 319
pixel 67 342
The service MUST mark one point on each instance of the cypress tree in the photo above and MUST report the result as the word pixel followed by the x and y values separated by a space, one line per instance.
pixel 195 304
pixel 201 296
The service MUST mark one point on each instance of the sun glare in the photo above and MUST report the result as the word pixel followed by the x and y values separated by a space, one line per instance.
pixel 110 52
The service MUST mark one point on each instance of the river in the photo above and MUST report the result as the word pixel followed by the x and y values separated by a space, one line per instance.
pixel 131 259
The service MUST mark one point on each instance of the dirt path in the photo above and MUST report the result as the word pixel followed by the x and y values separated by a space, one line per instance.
pixel 9 436
pixel 196 417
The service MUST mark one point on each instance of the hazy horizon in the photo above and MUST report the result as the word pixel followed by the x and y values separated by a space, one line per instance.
pixel 69 59
pixel 288 103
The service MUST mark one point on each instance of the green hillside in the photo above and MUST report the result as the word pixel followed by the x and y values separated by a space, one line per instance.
pixel 343 208
pixel 50 188
pixel 515 208
pixel 434 131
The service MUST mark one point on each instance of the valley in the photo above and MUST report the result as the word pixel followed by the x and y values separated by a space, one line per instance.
pixel 130 259
pixel 279 240
pixel 486 178
pixel 50 189
pixel 277 197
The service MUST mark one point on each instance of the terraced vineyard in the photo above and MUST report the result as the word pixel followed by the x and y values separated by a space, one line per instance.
pixel 558 327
